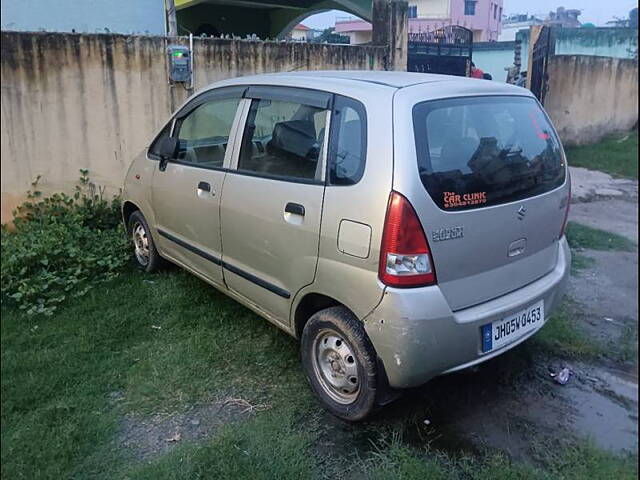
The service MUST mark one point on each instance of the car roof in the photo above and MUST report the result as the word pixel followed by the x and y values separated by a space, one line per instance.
pixel 390 79
pixel 379 84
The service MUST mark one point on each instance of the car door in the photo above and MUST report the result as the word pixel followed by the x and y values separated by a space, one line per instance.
pixel 186 194
pixel 273 194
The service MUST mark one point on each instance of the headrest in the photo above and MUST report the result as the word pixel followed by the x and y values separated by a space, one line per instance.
pixel 297 137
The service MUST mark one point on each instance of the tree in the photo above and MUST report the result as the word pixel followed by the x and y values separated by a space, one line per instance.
pixel 329 35
pixel 172 24
pixel 631 22
pixel 633 18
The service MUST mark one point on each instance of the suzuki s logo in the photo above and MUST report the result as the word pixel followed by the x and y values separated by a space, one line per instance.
pixel 522 211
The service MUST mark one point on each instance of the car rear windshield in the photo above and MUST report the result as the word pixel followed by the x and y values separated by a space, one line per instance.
pixel 480 151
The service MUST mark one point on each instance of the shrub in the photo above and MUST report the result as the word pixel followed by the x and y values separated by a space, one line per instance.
pixel 61 247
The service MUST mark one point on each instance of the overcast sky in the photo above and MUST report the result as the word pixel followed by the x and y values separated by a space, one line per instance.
pixel 597 12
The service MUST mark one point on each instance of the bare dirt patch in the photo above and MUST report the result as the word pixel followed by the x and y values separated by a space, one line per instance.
pixel 614 215
pixel 588 185
pixel 605 296
pixel 146 436
pixel 601 201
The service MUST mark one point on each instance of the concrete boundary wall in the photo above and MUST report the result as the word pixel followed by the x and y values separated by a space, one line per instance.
pixel 72 101
pixel 600 41
pixel 590 97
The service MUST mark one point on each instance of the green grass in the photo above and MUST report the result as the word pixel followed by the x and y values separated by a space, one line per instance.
pixel 561 336
pixel 393 460
pixel 164 343
pixel 628 344
pixel 237 455
pixel 581 236
pixel 59 372
pixel 580 263
pixel 616 156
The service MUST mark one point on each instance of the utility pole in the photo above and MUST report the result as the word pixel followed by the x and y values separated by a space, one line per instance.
pixel 390 29
pixel 172 24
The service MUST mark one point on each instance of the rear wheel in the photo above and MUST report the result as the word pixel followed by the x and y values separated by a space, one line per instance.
pixel 340 363
pixel 145 252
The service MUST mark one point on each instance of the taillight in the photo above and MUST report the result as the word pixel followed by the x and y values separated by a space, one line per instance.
pixel 405 258
pixel 566 212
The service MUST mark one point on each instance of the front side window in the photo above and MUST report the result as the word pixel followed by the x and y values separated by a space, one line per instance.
pixel 470 7
pixel 347 150
pixel 204 133
pixel 154 149
pixel 481 151
pixel 283 139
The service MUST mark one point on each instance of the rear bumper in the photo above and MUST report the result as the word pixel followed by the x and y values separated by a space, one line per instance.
pixel 418 337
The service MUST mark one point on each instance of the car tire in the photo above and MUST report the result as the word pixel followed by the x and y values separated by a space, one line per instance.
pixel 340 363
pixel 145 253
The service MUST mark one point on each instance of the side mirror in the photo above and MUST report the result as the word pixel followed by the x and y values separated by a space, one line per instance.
pixel 168 150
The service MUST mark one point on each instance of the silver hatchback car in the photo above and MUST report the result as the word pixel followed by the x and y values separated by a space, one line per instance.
pixel 401 225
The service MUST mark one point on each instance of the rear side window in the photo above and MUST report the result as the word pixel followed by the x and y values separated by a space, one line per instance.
pixel 481 151
pixel 283 139
pixel 347 152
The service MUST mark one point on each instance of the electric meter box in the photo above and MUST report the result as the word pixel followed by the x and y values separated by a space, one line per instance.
pixel 179 63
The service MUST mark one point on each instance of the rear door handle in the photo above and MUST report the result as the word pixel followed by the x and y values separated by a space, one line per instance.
pixel 204 186
pixel 294 208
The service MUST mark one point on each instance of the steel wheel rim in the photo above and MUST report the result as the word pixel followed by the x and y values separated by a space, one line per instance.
pixel 336 367
pixel 141 244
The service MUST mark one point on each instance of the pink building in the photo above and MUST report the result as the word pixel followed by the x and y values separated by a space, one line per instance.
pixel 484 17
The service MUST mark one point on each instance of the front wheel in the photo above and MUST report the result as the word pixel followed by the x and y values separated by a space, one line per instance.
pixel 145 252
pixel 340 363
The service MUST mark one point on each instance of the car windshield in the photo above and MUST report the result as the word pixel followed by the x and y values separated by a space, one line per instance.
pixel 481 151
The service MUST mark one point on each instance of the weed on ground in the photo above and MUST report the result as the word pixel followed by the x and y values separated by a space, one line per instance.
pixel 617 156
pixel 580 263
pixel 562 337
pixel 581 236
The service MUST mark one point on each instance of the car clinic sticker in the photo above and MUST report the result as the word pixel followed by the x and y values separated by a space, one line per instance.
pixel 539 133
pixel 453 200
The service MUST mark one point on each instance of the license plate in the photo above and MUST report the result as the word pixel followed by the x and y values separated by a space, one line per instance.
pixel 509 329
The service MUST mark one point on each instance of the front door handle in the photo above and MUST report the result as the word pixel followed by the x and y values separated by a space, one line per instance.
pixel 294 208
pixel 205 190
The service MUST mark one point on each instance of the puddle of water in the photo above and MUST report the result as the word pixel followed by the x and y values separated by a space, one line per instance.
pixel 508 404
pixel 609 425
pixel 470 411
pixel 623 383
pixel 607 412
